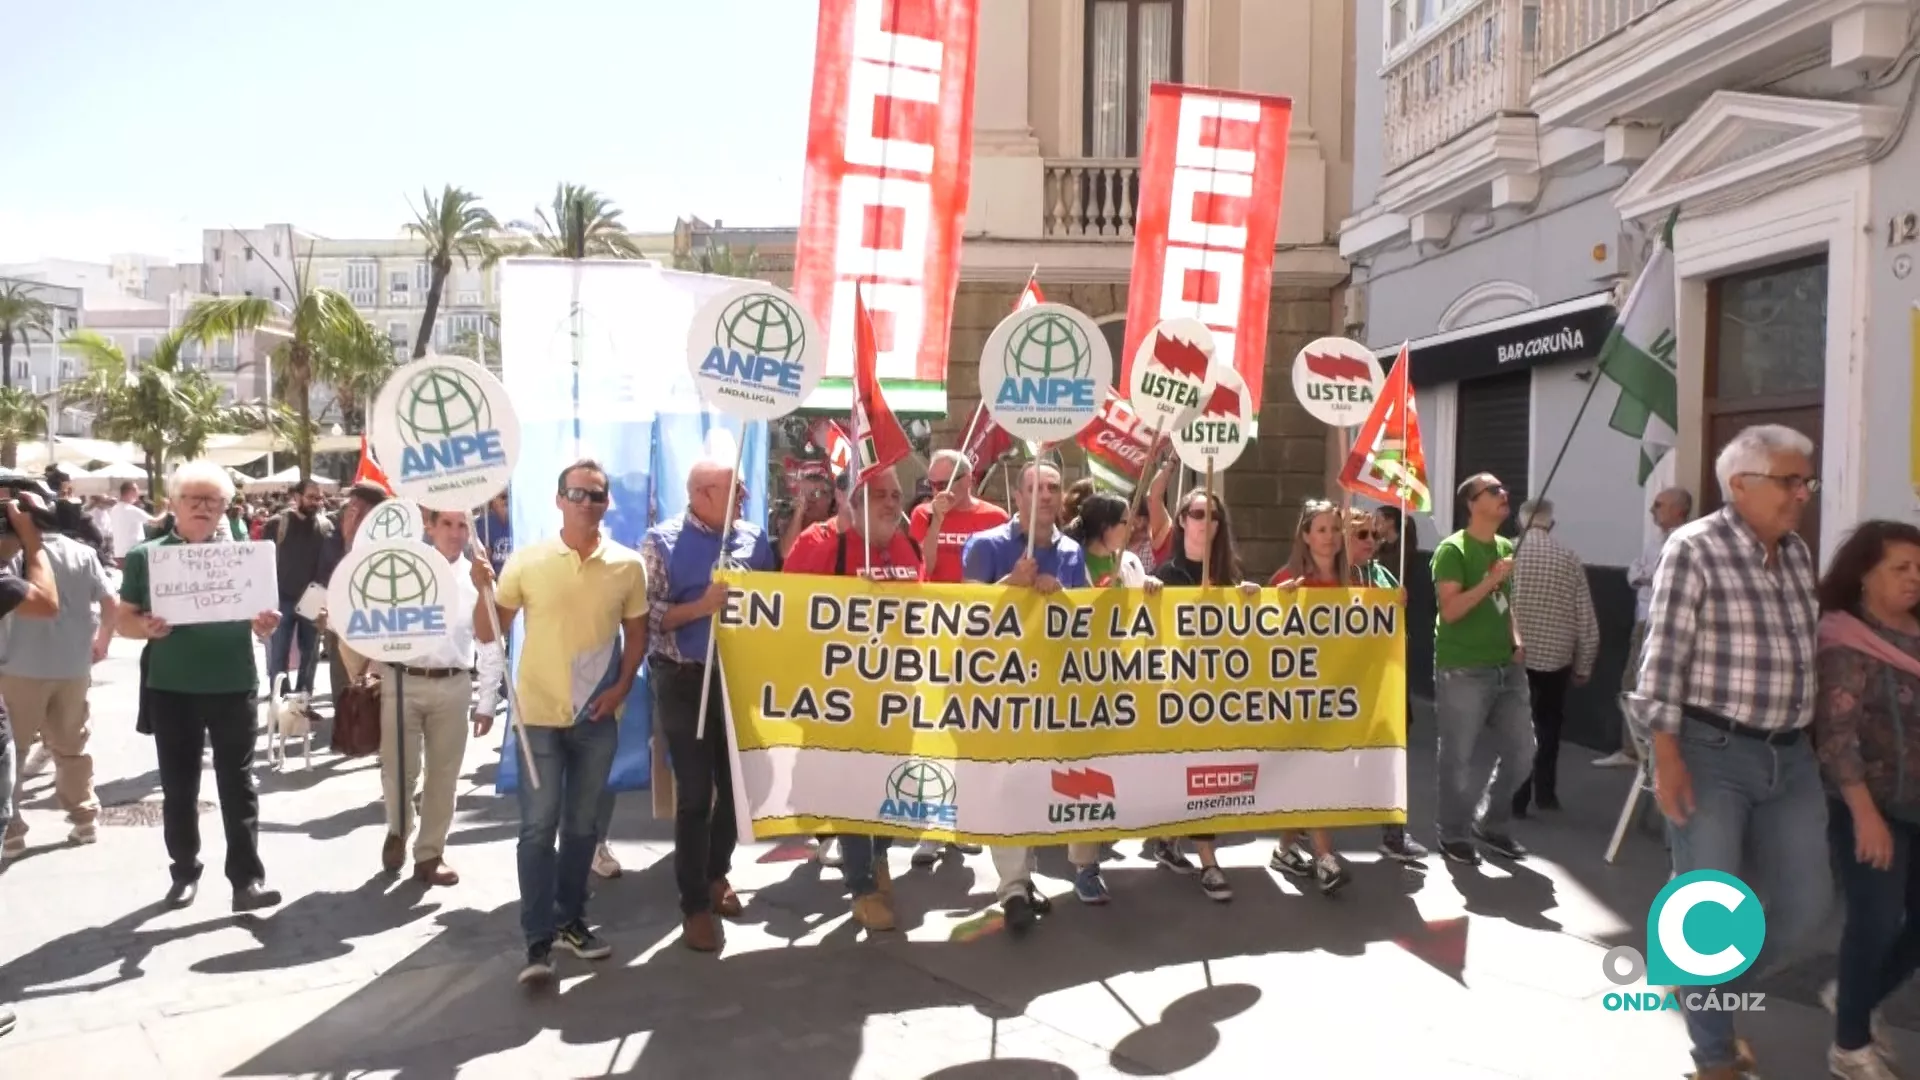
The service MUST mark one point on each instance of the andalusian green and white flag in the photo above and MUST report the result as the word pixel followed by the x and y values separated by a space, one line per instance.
pixel 1639 356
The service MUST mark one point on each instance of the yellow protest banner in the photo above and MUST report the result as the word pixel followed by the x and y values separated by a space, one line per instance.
pixel 991 714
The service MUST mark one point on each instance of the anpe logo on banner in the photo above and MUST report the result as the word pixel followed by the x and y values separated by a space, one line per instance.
pixel 1221 787
pixel 390 598
pixel 449 427
pixel 1092 793
pixel 1045 372
pixel 395 519
pixel 921 793
pixel 753 352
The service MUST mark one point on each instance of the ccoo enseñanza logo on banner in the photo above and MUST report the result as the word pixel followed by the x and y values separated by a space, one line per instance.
pixel 389 599
pixel 446 433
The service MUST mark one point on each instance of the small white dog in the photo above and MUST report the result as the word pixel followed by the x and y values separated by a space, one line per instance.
pixel 288 717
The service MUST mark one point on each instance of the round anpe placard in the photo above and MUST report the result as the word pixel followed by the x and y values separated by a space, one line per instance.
pixel 1336 379
pixel 754 352
pixel 395 519
pixel 1172 373
pixel 446 434
pixel 1223 429
pixel 392 601
pixel 1045 372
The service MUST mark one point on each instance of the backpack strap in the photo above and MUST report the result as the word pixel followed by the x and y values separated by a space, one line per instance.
pixel 840 559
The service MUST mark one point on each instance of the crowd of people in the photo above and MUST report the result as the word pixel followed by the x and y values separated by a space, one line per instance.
pixel 1770 703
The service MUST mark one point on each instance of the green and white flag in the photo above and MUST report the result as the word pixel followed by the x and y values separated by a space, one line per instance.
pixel 1639 357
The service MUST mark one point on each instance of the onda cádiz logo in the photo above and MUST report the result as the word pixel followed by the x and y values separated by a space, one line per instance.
pixel 1704 928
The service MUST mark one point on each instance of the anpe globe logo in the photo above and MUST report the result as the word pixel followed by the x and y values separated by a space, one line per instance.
pixel 1049 365
pixel 1704 928
pixel 762 324
pixel 395 594
pixel 446 424
pixel 921 793
pixel 390 522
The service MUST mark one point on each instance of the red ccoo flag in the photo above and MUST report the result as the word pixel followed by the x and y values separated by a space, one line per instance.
pixel 1083 784
pixel 1030 296
pixel 1181 357
pixel 1335 366
pixel 986 440
pixel 369 471
pixel 832 439
pixel 1224 402
pixel 878 438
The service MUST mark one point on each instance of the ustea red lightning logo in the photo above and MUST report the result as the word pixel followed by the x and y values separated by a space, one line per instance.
pixel 1225 402
pixel 1083 784
pixel 1181 357
pixel 1335 366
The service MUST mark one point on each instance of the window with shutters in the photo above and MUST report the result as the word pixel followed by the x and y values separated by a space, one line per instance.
pixel 1494 415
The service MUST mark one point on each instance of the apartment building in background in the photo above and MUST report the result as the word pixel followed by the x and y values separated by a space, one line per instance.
pixel 1058 118
pixel 1515 163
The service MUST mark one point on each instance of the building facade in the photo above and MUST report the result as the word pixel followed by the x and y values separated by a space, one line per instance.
pixel 1516 161
pixel 1058 121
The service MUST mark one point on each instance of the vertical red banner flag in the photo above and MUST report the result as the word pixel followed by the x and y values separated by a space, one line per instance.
pixel 1211 176
pixel 889 158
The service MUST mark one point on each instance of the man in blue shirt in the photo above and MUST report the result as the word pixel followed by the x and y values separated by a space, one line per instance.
pixel 998 556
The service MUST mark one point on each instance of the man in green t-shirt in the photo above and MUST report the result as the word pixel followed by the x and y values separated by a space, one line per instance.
pixel 198 683
pixel 1480 685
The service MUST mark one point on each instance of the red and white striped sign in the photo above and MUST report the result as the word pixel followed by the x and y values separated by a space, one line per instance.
pixel 889 154
pixel 1210 181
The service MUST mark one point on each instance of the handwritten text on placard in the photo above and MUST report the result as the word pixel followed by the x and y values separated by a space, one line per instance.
pixel 203 583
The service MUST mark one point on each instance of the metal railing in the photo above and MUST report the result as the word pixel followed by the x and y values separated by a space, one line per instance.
pixel 1478 65
pixel 1570 27
pixel 1091 197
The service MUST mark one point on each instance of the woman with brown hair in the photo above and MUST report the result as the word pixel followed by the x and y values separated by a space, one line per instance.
pixel 1204 555
pixel 1318 561
pixel 1866 729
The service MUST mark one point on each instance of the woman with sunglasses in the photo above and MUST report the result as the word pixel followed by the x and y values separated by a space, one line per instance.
pixel 1318 561
pixel 1204 540
pixel 1370 572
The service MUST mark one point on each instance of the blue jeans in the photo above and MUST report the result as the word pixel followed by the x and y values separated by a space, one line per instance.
pixel 1880 946
pixel 1749 796
pixel 573 763
pixel 1471 704
pixel 857 856
pixel 284 635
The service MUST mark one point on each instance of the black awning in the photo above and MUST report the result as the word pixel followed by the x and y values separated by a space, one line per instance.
pixel 1572 330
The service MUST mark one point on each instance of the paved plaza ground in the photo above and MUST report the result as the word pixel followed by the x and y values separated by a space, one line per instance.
pixel 1448 974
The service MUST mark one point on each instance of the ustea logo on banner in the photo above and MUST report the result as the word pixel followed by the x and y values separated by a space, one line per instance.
pixel 1336 380
pixel 1091 796
pixel 391 597
pixel 754 353
pixel 922 794
pixel 448 426
pixel 1045 372
pixel 1703 929
pixel 1219 435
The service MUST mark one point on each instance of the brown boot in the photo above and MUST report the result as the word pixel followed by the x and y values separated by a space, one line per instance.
pixel 431 872
pixel 393 853
pixel 725 903
pixel 701 932
pixel 873 911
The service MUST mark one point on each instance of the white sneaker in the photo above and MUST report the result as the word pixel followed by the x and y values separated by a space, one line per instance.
pixel 604 864
pixel 1862 1064
pixel 1619 759
pixel 828 853
pixel 84 834
pixel 1882 1039
pixel 928 852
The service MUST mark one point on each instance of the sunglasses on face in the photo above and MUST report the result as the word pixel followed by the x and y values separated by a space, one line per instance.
pixel 1490 489
pixel 1363 534
pixel 577 495
pixel 1198 514
pixel 940 482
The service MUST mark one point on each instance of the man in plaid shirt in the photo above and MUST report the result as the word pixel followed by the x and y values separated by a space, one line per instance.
pixel 1727 688
pixel 1554 608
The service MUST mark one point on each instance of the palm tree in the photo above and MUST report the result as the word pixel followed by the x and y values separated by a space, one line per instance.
pixel 162 406
pixel 581 224
pixel 720 259
pixel 355 365
pixel 319 316
pixel 454 226
pixel 481 346
pixel 22 417
pixel 22 314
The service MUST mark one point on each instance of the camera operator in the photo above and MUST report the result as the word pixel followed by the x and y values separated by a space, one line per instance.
pixel 46 668
pixel 33 595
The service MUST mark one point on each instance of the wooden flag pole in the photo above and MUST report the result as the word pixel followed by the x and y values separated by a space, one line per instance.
pixel 726 536
pixel 1206 554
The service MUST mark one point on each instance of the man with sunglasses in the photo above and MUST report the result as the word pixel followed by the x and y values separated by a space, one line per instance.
pixel 585 598
pixel 1727 689
pixel 682 598
pixel 1479 683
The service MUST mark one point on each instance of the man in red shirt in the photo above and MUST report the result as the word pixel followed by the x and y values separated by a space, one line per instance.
pixel 951 517
pixel 887 554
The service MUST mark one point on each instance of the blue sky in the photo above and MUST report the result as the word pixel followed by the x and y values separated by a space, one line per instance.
pixel 129 125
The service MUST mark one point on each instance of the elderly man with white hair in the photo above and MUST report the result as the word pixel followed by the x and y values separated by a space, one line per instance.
pixel 1554 607
pixel 200 684
pixel 1670 510
pixel 1727 688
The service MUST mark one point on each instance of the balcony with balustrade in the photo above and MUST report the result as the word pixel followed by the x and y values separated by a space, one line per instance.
pixel 1474 67
pixel 1090 198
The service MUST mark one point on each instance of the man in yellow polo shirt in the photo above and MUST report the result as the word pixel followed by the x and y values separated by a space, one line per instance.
pixel 585 598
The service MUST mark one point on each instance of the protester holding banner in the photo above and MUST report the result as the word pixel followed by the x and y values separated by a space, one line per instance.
pixel 1480 686
pixel 955 514
pixel 423 713
pixel 882 553
pixel 199 687
pixel 1204 556
pixel 1000 556
pixel 680 555
pixel 1152 537
pixel 585 598
pixel 1099 525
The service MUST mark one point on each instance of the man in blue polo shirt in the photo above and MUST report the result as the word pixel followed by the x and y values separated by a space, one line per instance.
pixel 998 556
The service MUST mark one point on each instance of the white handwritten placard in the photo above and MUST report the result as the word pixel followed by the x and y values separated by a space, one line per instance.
pixel 203 583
